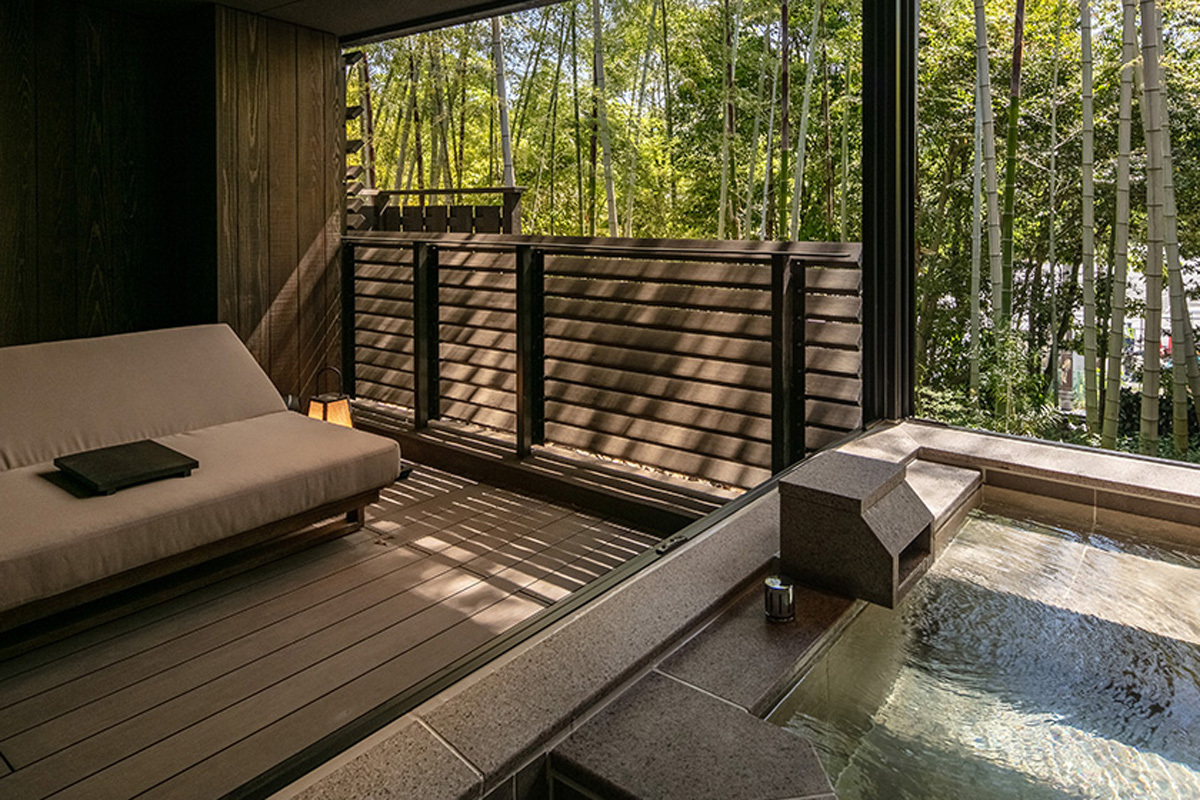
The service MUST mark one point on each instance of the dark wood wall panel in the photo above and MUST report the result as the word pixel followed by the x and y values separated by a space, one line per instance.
pixel 81 210
pixel 284 317
pixel 280 162
pixel 18 175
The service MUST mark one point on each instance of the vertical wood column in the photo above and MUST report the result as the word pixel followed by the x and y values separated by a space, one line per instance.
pixel 426 377
pixel 349 357
pixel 531 335
pixel 787 362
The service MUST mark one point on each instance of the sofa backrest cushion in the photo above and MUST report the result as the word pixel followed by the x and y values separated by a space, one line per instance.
pixel 63 397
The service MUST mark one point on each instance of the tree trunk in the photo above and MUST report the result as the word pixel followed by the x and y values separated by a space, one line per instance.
pixel 578 138
pixel 1182 336
pixel 727 129
pixel 1152 126
pixel 526 90
pixel 1116 329
pixel 785 35
pixel 976 243
pixel 828 124
pixel 1053 253
pixel 667 113
pixel 844 221
pixel 802 134
pixel 508 177
pixel 602 118
pixel 1010 170
pixel 1091 401
pixel 1174 268
pixel 768 197
pixel 635 122
pixel 748 210
pixel 982 72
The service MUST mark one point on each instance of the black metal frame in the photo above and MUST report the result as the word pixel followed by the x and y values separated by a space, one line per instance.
pixel 426 340
pixel 889 125
pixel 788 389
pixel 531 335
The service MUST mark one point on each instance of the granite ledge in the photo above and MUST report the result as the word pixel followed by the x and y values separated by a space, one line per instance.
pixel 666 740
pixel 541 691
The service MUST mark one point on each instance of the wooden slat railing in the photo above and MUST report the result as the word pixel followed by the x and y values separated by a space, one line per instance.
pixel 682 355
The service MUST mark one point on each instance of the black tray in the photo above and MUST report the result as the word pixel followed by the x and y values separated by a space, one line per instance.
pixel 108 469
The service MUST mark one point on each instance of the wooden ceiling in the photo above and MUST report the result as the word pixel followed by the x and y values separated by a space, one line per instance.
pixel 354 21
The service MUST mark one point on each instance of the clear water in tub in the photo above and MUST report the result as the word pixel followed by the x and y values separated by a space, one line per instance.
pixel 1030 662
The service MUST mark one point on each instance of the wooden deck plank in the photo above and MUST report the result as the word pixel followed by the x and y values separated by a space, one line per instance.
pixel 235 765
pixel 96 649
pixel 237 687
pixel 167 757
pixel 106 697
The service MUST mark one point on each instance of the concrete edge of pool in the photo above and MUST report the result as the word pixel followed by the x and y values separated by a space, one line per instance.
pixel 658 687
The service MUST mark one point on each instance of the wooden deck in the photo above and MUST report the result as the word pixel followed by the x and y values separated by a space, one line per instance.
pixel 197 696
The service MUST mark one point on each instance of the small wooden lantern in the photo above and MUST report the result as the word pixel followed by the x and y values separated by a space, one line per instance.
pixel 333 406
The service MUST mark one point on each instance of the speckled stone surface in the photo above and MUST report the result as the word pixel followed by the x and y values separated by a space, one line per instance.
pixel 503 718
pixel 942 488
pixel 410 764
pixel 749 661
pixel 667 741
pixel 841 480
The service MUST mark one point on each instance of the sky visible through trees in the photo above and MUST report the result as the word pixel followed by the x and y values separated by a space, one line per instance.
pixel 676 131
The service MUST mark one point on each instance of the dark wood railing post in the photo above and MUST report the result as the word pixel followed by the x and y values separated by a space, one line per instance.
pixel 349 345
pixel 510 216
pixel 426 378
pixel 787 361
pixel 531 333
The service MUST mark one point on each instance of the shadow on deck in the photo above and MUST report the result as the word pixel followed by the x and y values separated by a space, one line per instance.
pixel 211 692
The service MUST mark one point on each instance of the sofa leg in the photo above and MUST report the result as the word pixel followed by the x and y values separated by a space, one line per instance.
pixel 356 517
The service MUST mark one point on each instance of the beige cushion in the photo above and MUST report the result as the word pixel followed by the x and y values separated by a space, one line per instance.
pixel 58 398
pixel 252 472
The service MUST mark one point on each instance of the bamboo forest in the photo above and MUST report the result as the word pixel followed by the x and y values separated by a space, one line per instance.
pixel 1059 154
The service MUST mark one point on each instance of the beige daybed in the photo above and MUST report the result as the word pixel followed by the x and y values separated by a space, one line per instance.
pixel 263 470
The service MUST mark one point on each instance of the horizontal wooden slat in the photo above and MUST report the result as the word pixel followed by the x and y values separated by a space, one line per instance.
pixel 388 272
pixel 383 255
pixel 388 308
pixel 389 359
pixel 729 274
pixel 833 281
pixel 699 441
pixel 833 306
pixel 833 387
pixel 749 326
pixel 664 294
pixel 478 337
pixel 833 334
pixel 479 357
pixel 475 260
pixel 832 415
pixel 746 376
pixel 385 394
pixel 726 348
pixel 388 290
pixel 478 318
pixel 478 298
pixel 496 281
pixel 479 415
pixel 478 395
pixel 816 437
pixel 825 359
pixel 680 461
pixel 500 380
pixel 730 423
pixel 385 377
pixel 373 324
pixel 660 387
